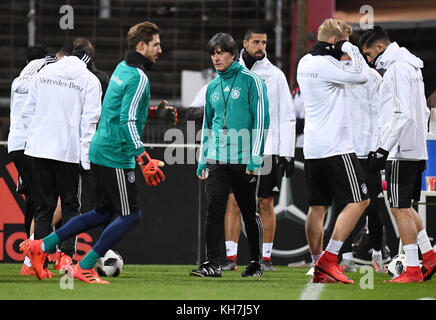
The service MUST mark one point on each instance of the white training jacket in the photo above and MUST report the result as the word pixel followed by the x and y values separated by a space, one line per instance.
pixel 19 89
pixel 404 111
pixel 281 133
pixel 322 80
pixel 363 101
pixel 62 111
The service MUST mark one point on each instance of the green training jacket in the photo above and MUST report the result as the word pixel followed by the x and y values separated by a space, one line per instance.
pixel 239 96
pixel 117 140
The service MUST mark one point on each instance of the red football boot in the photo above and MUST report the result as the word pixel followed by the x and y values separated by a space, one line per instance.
pixel 87 275
pixel 428 265
pixel 321 277
pixel 26 271
pixel 32 249
pixel 62 261
pixel 412 274
pixel 328 263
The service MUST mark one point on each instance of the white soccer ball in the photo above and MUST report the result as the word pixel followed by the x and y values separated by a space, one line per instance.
pixel 110 265
pixel 397 266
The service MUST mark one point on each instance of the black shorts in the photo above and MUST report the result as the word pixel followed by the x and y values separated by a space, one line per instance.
pixel 269 177
pixel 372 179
pixel 404 182
pixel 117 190
pixel 337 178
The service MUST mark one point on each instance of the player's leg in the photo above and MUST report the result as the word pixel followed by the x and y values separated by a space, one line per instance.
pixel 347 260
pixel 232 230
pixel 401 177
pixel 268 187
pixel 268 218
pixel 24 167
pixel 349 188
pixel 217 192
pixel 76 225
pixel 68 184
pixel 424 245
pixel 122 190
pixel 244 188
pixel 45 195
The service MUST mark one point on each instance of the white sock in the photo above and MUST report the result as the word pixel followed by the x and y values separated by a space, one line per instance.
pixel 231 248
pixel 315 258
pixel 27 262
pixel 267 248
pixel 423 242
pixel 32 236
pixel 334 246
pixel 347 256
pixel 376 252
pixel 411 252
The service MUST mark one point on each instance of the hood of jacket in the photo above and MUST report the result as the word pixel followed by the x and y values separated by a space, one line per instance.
pixel 395 53
pixel 69 68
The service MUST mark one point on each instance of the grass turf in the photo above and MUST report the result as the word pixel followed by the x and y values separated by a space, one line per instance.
pixel 172 282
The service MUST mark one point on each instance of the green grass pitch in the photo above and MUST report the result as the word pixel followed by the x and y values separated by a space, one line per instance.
pixel 172 282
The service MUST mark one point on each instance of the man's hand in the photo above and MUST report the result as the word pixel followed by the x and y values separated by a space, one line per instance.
pixel 150 169
pixel 204 174
pixel 377 160
pixel 164 112
pixel 286 166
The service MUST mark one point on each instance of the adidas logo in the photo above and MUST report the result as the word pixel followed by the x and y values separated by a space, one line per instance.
pixel 227 89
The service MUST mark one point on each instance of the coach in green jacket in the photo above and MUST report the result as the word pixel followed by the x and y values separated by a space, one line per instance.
pixel 236 119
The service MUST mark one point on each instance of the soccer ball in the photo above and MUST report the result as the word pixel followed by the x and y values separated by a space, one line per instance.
pixel 397 266
pixel 110 265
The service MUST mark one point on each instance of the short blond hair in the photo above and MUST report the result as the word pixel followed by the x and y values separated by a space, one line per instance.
pixel 333 28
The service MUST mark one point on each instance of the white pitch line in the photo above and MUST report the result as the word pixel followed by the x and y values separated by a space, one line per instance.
pixel 312 291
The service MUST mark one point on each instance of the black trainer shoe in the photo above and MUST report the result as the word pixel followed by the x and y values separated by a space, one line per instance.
pixel 254 269
pixel 229 265
pixel 207 269
pixel 267 265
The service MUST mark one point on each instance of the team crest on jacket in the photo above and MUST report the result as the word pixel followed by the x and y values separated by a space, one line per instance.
pixel 131 176
pixel 236 92
pixel 264 77
pixel 215 96
pixel 364 188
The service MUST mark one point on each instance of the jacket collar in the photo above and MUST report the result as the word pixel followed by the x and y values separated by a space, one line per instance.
pixel 231 71
pixel 395 53
pixel 264 60
pixel 135 59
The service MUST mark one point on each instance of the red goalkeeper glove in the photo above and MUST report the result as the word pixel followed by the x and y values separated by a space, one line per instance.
pixel 150 169
pixel 163 112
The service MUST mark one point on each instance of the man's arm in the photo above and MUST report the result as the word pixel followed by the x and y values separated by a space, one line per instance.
pixel 401 101
pixel 287 121
pixel 89 118
pixel 259 106
pixel 356 71
pixel 28 110
pixel 136 97
pixel 205 136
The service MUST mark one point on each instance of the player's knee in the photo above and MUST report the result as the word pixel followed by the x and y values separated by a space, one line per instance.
pixel 266 206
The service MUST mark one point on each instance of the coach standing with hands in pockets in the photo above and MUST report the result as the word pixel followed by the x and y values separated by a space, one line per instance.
pixel 236 118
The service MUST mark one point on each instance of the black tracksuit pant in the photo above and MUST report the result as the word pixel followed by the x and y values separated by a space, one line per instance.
pixel 220 178
pixel 53 179
pixel 24 167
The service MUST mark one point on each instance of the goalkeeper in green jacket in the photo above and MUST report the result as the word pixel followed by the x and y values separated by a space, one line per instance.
pixel 114 152
pixel 236 119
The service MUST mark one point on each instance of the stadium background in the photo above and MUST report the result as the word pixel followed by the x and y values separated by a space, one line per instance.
pixel 171 231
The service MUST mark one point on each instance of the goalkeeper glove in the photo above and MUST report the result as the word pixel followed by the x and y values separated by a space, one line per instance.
pixel 150 169
pixel 377 160
pixel 163 112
